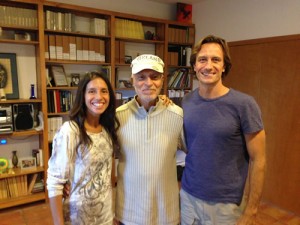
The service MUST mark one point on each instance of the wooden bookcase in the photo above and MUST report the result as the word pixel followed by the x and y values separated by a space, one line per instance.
pixel 120 47
pixel 18 21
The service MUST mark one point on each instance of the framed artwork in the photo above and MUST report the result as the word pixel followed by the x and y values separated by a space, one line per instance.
pixel 184 12
pixel 28 163
pixel 9 75
pixel 59 75
pixel 75 79
pixel 128 59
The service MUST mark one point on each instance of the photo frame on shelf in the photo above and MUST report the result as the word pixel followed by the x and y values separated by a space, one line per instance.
pixel 128 59
pixel 28 163
pixel 59 75
pixel 9 75
pixel 75 79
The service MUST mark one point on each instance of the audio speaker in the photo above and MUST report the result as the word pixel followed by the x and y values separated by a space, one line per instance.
pixel 23 116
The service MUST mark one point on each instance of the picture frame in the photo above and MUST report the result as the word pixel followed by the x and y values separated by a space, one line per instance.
pixel 128 59
pixel 59 75
pixel 184 12
pixel 75 79
pixel 28 163
pixel 8 65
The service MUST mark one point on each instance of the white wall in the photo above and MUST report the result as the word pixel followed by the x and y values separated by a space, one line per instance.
pixel 246 19
pixel 136 7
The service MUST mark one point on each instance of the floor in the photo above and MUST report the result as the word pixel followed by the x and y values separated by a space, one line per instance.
pixel 39 214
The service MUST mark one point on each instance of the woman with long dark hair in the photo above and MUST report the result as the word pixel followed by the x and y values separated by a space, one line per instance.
pixel 82 156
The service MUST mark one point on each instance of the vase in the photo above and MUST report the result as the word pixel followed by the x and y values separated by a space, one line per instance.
pixel 14 159
pixel 32 96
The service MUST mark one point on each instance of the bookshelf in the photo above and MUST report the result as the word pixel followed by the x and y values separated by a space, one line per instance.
pixel 181 38
pixel 71 36
pixel 20 23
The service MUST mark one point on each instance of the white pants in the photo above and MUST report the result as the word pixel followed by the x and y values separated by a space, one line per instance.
pixel 197 212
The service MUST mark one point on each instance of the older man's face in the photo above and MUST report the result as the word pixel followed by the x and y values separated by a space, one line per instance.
pixel 147 84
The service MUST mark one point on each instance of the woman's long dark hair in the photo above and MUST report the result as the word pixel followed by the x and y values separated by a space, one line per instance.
pixel 108 118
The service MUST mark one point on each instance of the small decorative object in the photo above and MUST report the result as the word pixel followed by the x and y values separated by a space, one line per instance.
pixel 22 36
pixel 128 59
pixel 14 159
pixel 41 122
pixel 75 77
pixel 32 96
pixel 3 165
pixel 28 163
pixel 149 35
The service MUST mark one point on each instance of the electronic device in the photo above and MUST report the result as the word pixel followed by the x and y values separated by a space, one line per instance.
pixel 6 121
pixel 23 116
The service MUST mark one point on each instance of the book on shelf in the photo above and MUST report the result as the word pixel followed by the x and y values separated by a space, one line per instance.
pixel 52 47
pixel 54 123
pixel 59 21
pixel 46 43
pixel 66 47
pixel 181 35
pixel 98 26
pixel 177 55
pixel 59 47
pixel 91 49
pixel 188 56
pixel 129 29
pixel 14 16
pixel 85 48
pixel 79 53
pixel 3 189
pixel 62 47
pixel 59 101
pixel 72 47
pixel 32 181
pixel 179 79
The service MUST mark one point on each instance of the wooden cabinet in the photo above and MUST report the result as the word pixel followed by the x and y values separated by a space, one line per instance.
pixel 78 39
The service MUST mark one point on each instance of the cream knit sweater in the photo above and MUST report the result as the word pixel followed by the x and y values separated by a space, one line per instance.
pixel 147 189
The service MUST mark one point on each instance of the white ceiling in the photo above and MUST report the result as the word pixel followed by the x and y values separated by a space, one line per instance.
pixel 175 1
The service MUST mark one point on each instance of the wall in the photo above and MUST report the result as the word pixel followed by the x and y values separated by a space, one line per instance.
pixel 246 19
pixel 137 7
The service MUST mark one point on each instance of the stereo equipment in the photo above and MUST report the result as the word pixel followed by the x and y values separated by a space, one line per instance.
pixel 23 116
pixel 6 122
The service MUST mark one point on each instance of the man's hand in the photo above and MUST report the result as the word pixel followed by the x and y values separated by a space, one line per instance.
pixel 166 100
pixel 66 190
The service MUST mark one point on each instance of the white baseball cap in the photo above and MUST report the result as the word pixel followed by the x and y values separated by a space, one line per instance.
pixel 147 61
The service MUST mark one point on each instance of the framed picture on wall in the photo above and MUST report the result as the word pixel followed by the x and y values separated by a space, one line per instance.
pixel 8 75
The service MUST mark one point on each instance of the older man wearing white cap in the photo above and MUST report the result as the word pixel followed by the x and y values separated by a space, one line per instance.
pixel 150 132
